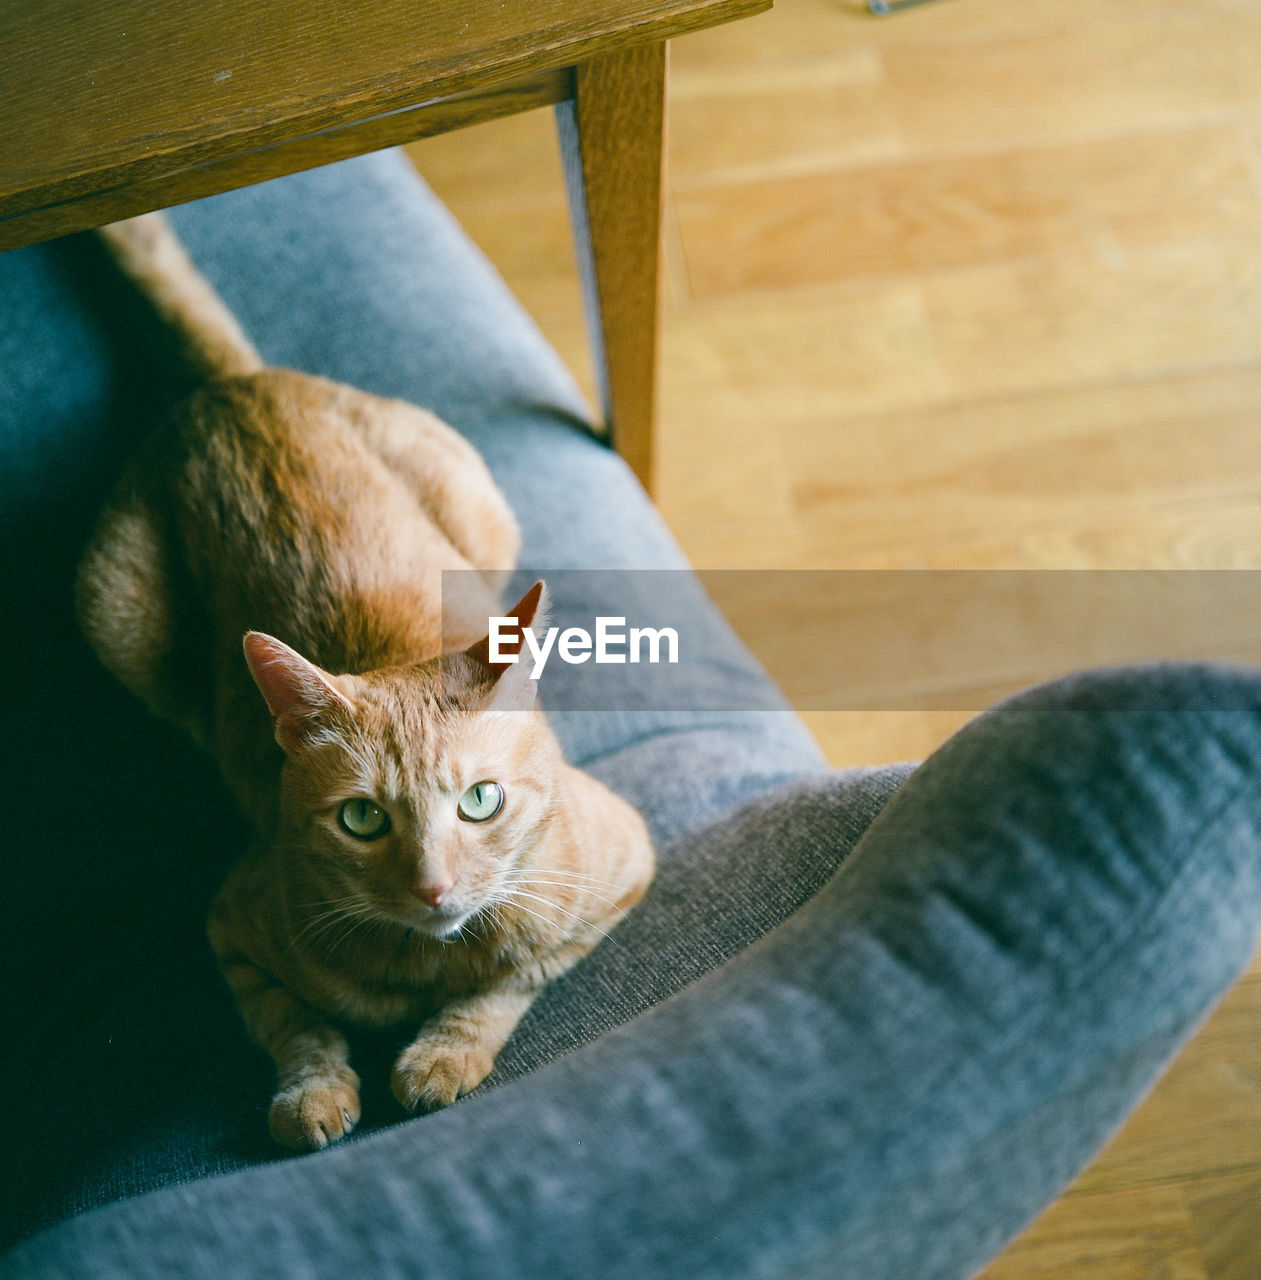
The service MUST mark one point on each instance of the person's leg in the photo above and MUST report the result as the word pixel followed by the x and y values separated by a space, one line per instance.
pixel 888 1085
pixel 1043 915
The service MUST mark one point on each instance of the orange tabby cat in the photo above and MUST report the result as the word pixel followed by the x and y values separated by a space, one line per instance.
pixel 421 852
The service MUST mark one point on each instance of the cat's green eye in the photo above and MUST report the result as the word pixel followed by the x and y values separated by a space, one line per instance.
pixel 364 819
pixel 481 802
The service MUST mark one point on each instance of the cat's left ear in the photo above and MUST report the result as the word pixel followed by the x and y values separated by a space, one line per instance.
pixel 513 688
pixel 299 695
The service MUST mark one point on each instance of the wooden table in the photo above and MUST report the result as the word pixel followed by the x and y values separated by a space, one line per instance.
pixel 110 108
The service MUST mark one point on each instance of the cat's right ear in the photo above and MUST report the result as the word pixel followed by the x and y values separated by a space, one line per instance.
pixel 298 694
pixel 513 688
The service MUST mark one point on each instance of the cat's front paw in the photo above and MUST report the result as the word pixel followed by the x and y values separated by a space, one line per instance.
pixel 307 1117
pixel 436 1070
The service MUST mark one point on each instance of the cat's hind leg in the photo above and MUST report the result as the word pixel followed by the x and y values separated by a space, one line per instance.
pixel 125 595
pixel 447 477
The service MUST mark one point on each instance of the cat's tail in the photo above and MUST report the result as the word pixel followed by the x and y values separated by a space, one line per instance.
pixel 150 254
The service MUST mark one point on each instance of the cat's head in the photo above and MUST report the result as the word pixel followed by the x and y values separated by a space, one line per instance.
pixel 415 793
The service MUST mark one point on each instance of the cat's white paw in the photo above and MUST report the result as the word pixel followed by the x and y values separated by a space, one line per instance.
pixel 309 1116
pixel 436 1070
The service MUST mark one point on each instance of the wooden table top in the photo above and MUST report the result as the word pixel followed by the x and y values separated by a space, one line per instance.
pixel 109 107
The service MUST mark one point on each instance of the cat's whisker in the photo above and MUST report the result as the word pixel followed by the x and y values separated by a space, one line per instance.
pixel 518 894
pixel 574 880
pixel 368 918
pixel 309 938
pixel 316 925
pixel 577 877
pixel 538 915
pixel 537 882
pixel 354 911
pixel 572 886
pixel 492 910
pixel 561 871
pixel 335 904
pixel 467 930
pixel 331 906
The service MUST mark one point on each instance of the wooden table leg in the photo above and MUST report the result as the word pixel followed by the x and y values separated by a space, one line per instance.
pixel 612 136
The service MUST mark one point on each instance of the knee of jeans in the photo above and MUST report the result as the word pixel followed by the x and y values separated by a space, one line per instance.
pixel 1097 823
pixel 1145 763
pixel 1183 687
pixel 1113 777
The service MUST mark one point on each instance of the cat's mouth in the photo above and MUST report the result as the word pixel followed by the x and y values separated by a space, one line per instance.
pixel 438 923
pixel 442 922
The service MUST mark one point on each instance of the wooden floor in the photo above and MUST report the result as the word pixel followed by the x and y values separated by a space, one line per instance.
pixel 977 285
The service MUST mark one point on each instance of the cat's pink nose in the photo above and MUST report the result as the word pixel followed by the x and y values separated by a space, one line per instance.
pixel 432 894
